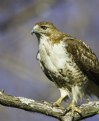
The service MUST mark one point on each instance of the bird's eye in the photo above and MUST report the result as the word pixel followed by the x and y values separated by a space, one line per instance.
pixel 44 27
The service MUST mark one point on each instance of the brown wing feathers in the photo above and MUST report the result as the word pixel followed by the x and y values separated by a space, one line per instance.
pixel 84 57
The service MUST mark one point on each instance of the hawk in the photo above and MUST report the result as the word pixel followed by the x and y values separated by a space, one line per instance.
pixel 68 62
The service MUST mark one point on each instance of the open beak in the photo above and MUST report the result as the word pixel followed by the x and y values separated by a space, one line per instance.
pixel 32 32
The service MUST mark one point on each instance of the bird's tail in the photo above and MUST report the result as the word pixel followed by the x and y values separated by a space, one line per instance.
pixel 93 85
pixel 95 77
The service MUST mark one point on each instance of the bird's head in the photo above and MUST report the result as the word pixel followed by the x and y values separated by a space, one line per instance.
pixel 44 28
pixel 47 29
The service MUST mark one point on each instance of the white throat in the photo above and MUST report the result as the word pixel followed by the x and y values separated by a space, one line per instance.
pixel 52 55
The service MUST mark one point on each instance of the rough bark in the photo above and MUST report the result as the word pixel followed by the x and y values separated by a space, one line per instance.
pixel 88 110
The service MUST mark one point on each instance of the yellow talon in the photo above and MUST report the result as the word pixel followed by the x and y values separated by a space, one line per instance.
pixel 73 108
pixel 58 102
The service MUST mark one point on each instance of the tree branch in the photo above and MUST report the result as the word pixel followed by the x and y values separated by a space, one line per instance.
pixel 89 109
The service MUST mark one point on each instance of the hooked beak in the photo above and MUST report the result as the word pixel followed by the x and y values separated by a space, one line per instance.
pixel 32 32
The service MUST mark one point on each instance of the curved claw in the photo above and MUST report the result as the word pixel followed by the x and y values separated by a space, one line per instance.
pixel 58 103
pixel 73 109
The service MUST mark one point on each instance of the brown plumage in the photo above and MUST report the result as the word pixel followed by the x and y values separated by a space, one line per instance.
pixel 68 62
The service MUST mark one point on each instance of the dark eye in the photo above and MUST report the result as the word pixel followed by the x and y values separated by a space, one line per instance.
pixel 44 27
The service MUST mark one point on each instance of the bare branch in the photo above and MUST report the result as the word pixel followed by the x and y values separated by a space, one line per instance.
pixel 89 109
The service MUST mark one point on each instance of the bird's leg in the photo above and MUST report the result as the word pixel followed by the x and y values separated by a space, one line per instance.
pixel 73 107
pixel 76 93
pixel 64 93
pixel 58 102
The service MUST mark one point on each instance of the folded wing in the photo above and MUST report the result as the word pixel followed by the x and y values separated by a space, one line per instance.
pixel 84 57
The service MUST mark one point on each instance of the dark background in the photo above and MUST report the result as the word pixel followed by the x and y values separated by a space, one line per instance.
pixel 20 74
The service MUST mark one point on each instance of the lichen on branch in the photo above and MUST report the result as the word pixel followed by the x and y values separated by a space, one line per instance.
pixel 88 110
